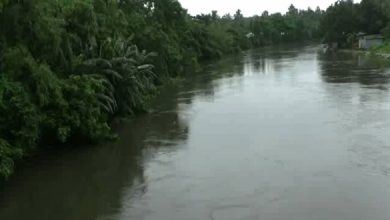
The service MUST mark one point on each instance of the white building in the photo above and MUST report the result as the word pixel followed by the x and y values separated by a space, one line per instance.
pixel 368 41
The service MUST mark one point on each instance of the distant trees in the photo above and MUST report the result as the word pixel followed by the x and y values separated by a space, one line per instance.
pixel 295 26
pixel 345 18
pixel 372 15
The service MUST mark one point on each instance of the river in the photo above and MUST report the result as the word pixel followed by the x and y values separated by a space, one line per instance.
pixel 279 133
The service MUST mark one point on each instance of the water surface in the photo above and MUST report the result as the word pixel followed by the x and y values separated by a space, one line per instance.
pixel 282 133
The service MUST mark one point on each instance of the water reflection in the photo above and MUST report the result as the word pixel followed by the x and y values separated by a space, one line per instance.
pixel 271 59
pixel 88 183
pixel 94 182
pixel 347 67
pixel 273 133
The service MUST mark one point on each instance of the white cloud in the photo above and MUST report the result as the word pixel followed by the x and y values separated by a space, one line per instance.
pixel 250 7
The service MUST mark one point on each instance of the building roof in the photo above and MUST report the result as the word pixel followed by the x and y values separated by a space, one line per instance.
pixel 371 36
pixel 361 34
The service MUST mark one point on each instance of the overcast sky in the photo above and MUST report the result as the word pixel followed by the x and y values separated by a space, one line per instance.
pixel 250 7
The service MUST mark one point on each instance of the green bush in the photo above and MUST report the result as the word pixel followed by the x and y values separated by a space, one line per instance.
pixel 19 125
pixel 68 67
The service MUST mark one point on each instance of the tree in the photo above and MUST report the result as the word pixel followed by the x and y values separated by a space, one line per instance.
pixel 339 21
pixel 372 16
pixel 238 15
pixel 292 11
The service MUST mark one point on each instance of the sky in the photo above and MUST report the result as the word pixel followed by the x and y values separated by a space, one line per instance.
pixel 250 7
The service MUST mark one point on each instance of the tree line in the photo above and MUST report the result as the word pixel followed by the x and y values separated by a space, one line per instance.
pixel 68 67
pixel 345 19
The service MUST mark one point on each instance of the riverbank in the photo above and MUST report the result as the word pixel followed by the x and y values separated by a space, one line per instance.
pixel 383 50
pixel 192 157
pixel 65 75
pixel 377 53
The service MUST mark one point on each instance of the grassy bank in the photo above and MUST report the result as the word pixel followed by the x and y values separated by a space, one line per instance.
pixel 383 50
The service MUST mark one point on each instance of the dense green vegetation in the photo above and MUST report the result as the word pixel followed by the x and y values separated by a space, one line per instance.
pixel 294 26
pixel 345 19
pixel 69 67
pixel 385 48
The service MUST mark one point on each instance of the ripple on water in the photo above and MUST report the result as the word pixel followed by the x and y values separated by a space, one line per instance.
pixel 233 212
pixel 370 154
